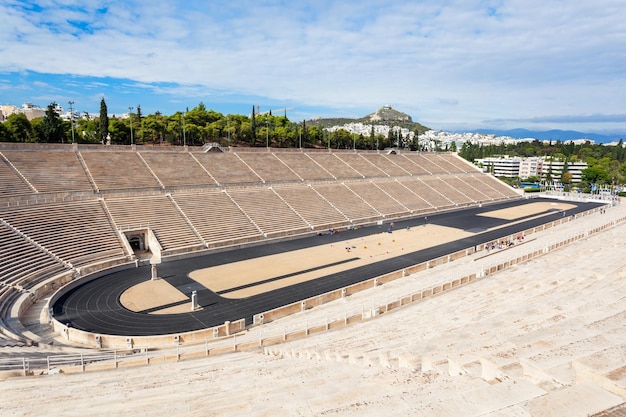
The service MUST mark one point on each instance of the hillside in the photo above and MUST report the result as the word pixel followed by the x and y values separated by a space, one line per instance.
pixel 385 115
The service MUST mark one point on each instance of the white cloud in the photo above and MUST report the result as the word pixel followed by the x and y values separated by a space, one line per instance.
pixel 460 61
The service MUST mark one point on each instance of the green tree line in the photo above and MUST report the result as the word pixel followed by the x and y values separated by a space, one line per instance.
pixel 193 127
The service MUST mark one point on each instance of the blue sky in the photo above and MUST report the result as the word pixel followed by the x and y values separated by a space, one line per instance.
pixel 451 65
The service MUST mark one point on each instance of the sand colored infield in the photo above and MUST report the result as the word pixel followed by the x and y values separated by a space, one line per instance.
pixel 256 276
pixel 513 213
pixel 315 262
pixel 177 309
pixel 150 294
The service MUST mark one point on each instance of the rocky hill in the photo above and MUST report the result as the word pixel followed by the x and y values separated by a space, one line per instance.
pixel 386 116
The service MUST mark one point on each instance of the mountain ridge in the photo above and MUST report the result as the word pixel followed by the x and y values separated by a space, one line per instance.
pixel 553 134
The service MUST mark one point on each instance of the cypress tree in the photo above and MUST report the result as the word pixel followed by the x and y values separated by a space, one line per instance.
pixel 103 126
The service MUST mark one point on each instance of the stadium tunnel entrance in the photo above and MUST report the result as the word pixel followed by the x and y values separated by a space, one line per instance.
pixel 137 242
pixel 142 243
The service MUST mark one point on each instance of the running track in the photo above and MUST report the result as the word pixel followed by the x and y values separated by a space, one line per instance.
pixel 95 306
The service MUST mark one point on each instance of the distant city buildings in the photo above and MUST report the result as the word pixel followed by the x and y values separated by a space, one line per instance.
pixel 6 110
pixel 543 168
pixel 28 109
pixel 32 111
pixel 366 130
pixel 446 138
pixel 438 139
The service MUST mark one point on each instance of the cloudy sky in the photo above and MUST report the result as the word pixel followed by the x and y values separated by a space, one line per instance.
pixel 452 65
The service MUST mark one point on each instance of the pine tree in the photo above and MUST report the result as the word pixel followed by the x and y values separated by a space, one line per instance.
pixel 51 127
pixel 103 126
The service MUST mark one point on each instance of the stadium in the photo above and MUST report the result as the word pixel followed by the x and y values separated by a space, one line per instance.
pixel 353 283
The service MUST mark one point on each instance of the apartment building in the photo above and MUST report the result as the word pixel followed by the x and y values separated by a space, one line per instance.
pixel 540 167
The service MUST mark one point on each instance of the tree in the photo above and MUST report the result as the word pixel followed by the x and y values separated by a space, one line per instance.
pixel 305 134
pixel 192 133
pixel 471 151
pixel 87 130
pixel 242 130
pixel 622 173
pixel 314 133
pixel 566 178
pixel 201 117
pixel 119 131
pixel 5 135
pixel 103 125
pixel 620 152
pixel 139 133
pixel 342 138
pixel 19 128
pixel 253 128
pixel 51 128
pixel 154 128
pixel 595 174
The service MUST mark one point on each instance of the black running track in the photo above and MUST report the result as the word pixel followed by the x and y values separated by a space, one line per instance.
pixel 95 306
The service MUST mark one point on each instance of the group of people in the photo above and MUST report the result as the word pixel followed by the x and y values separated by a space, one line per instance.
pixel 503 244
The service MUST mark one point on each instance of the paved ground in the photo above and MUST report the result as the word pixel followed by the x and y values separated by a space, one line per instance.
pixel 124 304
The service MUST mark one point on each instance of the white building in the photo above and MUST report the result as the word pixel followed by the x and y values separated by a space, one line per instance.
pixel 32 111
pixel 7 110
pixel 530 167
pixel 555 169
pixel 501 166
pixel 366 129
pixel 541 167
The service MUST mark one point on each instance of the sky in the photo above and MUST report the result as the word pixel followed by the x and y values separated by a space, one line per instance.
pixel 451 65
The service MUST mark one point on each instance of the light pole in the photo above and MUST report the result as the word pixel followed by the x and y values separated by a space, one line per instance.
pixel 71 118
pixel 228 127
pixel 267 134
pixel 130 115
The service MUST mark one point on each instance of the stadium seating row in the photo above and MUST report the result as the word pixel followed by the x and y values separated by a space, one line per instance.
pixel 54 171
pixel 216 218
pixel 80 232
